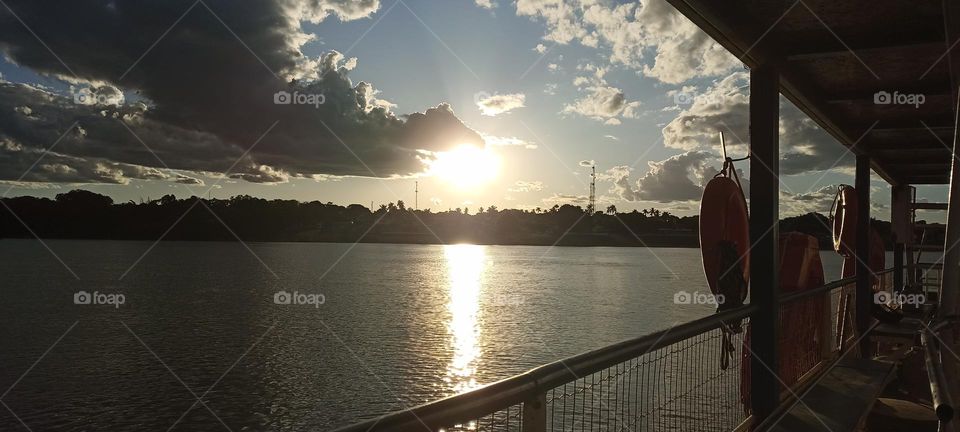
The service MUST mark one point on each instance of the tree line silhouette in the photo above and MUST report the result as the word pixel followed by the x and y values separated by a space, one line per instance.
pixel 81 214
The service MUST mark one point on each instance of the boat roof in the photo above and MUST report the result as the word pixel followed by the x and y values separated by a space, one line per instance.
pixel 837 59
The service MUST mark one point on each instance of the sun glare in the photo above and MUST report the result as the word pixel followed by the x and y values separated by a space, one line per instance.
pixel 466 166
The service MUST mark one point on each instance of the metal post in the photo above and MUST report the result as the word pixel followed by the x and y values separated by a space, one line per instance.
pixel 898 251
pixel 864 297
pixel 949 296
pixel 901 225
pixel 535 414
pixel 764 236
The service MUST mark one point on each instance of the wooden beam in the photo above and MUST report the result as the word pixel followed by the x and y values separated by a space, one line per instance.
pixel 829 45
pixel 927 180
pixel 918 143
pixel 764 236
pixel 926 88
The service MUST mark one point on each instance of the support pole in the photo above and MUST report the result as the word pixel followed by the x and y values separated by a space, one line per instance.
pixel 764 236
pixel 534 418
pixel 902 228
pixel 949 296
pixel 865 276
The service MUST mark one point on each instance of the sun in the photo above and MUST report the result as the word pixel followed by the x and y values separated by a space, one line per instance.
pixel 466 166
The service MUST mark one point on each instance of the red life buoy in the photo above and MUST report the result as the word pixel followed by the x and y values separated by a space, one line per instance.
pixel 724 235
pixel 844 215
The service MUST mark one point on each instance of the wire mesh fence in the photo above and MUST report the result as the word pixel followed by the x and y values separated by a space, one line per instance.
pixel 692 377
pixel 683 386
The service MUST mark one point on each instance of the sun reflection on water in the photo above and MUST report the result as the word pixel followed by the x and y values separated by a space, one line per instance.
pixel 465 267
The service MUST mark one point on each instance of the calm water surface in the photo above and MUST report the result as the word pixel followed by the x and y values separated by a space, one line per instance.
pixel 400 325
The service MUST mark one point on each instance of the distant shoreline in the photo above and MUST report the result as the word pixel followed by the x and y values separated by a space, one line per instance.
pixel 81 214
pixel 567 242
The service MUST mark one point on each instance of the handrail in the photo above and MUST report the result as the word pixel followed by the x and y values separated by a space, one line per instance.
pixel 797 295
pixel 939 393
pixel 526 386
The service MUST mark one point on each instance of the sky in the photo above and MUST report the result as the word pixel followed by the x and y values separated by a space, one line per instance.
pixel 470 102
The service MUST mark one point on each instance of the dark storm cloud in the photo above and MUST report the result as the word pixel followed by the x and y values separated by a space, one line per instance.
pixel 209 95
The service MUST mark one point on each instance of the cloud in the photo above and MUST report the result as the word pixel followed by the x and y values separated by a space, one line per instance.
pixel 185 179
pixel 682 50
pixel 561 199
pixel 599 100
pixel 677 178
pixel 818 201
pixel 499 141
pixel 500 104
pixel 22 164
pixel 486 4
pixel 724 106
pixel 611 137
pixel 204 98
pixel 526 186
pixel 318 10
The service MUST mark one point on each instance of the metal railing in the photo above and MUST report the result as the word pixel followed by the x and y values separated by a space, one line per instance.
pixel 668 380
pixel 826 317
pixel 688 377
pixel 929 277
pixel 939 385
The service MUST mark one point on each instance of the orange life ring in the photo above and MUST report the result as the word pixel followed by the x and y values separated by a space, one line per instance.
pixel 844 216
pixel 724 223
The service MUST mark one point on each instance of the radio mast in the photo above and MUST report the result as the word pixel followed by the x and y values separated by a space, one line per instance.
pixel 592 207
pixel 416 195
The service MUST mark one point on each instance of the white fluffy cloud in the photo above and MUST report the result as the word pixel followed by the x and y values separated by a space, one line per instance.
pixel 316 11
pixel 493 105
pixel 526 186
pixel 560 199
pixel 683 51
pixel 678 178
pixel 486 4
pixel 500 141
pixel 601 101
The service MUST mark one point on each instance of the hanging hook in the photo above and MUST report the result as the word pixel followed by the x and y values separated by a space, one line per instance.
pixel 728 169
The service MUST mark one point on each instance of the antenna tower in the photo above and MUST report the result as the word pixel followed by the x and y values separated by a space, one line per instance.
pixel 592 207
pixel 416 195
